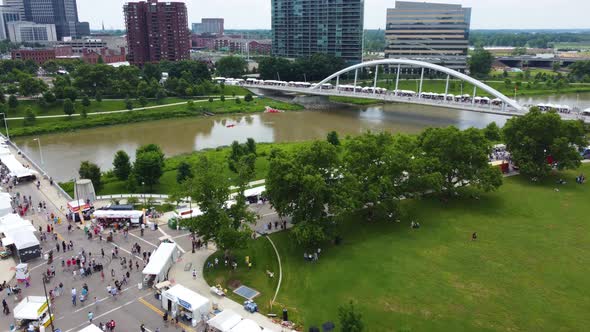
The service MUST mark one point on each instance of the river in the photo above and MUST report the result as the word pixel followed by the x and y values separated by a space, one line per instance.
pixel 63 152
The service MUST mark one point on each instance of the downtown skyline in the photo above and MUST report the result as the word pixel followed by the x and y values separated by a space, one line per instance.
pixel 498 14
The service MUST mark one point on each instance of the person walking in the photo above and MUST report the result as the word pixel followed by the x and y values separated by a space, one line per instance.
pixel 73 296
pixel 90 316
pixel 5 308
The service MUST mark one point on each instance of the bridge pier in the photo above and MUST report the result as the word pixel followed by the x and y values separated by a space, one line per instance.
pixel 447 87
pixel 356 75
pixel 376 74
pixel 313 102
pixel 421 81
pixel 473 97
pixel 397 78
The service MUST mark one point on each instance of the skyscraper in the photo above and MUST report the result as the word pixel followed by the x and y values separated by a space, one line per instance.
pixel 19 4
pixel 157 31
pixel 7 14
pixel 212 26
pixel 62 13
pixel 432 32
pixel 301 28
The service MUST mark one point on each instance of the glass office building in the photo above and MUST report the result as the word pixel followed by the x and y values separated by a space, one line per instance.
pixel 431 32
pixel 301 28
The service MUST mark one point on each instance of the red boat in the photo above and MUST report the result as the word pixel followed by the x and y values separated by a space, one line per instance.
pixel 230 126
pixel 272 110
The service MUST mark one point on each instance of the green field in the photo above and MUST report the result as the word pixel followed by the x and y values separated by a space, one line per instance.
pixel 528 270
pixel 50 125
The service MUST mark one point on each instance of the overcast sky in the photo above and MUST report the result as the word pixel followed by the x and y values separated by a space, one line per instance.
pixel 255 14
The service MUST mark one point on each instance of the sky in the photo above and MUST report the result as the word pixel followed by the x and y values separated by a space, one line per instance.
pixel 255 14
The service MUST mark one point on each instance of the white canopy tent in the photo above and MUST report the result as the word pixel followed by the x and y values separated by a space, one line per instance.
pixel 134 216
pixel 15 167
pixel 29 308
pixel 193 302
pixel 5 204
pixel 246 325
pixel 161 260
pixel 13 222
pixel 22 239
pixel 91 328
pixel 225 320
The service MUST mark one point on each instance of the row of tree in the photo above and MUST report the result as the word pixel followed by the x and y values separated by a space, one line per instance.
pixel 314 68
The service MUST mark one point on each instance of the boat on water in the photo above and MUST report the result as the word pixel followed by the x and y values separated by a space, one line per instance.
pixel 230 126
pixel 269 109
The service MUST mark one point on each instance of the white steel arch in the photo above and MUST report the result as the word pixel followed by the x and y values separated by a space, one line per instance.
pixel 423 65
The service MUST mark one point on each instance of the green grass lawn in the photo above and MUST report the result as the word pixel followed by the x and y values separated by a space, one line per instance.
pixel 528 270
pixel 43 126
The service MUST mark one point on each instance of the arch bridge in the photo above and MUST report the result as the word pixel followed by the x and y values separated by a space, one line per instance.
pixel 499 105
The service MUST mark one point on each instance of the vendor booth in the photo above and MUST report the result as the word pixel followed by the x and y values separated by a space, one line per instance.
pixel 160 262
pixel 109 217
pixel 246 325
pixel 80 206
pixel 224 321
pixel 16 169
pixel 32 310
pixel 26 244
pixel 22 272
pixel 186 304
pixel 91 328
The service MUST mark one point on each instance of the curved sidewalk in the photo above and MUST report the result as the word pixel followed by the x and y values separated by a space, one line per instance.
pixel 198 259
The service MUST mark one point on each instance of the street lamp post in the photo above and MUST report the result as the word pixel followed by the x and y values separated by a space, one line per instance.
pixel 143 189
pixel 6 125
pixel 48 306
pixel 40 151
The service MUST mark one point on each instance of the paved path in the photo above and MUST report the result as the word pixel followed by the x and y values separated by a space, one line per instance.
pixel 120 111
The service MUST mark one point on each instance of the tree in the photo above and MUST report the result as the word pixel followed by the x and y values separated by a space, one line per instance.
pixel 148 168
pixel 29 86
pixel 239 151
pixel 556 66
pixel 128 104
pixel 333 139
pixel 98 96
pixel 480 63
pixel 91 172
pixel 210 190
pixel 68 107
pixel 231 66
pixel 84 113
pixel 152 71
pixel 248 97
pixel 222 98
pixel 85 101
pixel 238 101
pixel 461 158
pixel 305 186
pixel 210 99
pixel 12 102
pixel 142 101
pixel 350 320
pixel 122 165
pixel 29 117
pixel 151 148
pixel 160 95
pixel 492 132
pixel 190 105
pixel 540 141
pixel 184 172
pixel 71 93
pixel 273 68
pixel 49 97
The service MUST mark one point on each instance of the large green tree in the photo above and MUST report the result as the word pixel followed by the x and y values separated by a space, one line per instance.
pixel 91 171
pixel 68 107
pixel 537 138
pixel 148 168
pixel 121 165
pixel 231 66
pixel 461 158
pixel 480 62
pixel 350 319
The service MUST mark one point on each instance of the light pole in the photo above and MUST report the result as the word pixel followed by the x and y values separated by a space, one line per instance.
pixel 143 189
pixel 6 125
pixel 40 151
pixel 48 305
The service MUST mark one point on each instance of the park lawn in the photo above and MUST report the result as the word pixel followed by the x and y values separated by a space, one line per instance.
pixel 528 270
pixel 44 126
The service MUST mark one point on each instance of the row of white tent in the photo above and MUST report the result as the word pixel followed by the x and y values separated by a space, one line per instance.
pixel 15 168
pixel 230 321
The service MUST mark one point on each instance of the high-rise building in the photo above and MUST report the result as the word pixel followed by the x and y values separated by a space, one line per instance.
pixel 62 13
pixel 431 32
pixel 301 28
pixel 18 4
pixel 7 14
pixel 213 26
pixel 157 31
pixel 29 32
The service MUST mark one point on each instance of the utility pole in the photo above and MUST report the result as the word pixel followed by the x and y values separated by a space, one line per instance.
pixel 48 305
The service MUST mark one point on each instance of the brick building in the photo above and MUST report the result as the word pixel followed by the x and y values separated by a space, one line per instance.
pixel 40 56
pixel 157 31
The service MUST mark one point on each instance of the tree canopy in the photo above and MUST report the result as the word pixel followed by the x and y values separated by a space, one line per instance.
pixel 231 66
pixel 91 171
pixel 122 165
pixel 480 63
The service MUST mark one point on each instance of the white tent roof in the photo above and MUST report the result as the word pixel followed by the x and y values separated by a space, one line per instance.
pixel 28 308
pixel 91 328
pixel 117 214
pixel 225 320
pixel 196 300
pixel 22 239
pixel 13 222
pixel 15 167
pixel 5 204
pixel 256 191
pixel 4 150
pixel 246 325
pixel 159 258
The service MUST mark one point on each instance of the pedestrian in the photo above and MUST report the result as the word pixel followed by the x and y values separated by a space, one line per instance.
pixel 137 265
pixel 96 302
pixel 57 246
pixel 90 316
pixel 142 328
pixel 474 236
pixel 102 275
pixel 5 307
pixel 102 252
pixel 194 273
pixel 63 245
pixel 112 273
pixel 73 296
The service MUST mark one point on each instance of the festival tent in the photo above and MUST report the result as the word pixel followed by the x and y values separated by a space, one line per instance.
pixel 197 305
pixel 12 222
pixel 26 243
pixel 91 328
pixel 246 325
pixel 15 168
pixel 5 204
pixel 161 261
pixel 225 320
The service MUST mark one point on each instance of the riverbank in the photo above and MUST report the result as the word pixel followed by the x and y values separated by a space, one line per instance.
pixel 168 184
pixel 149 113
